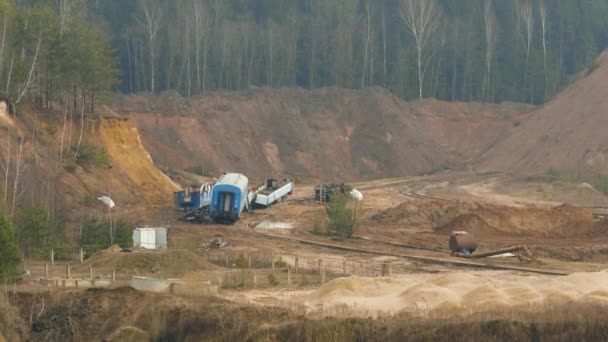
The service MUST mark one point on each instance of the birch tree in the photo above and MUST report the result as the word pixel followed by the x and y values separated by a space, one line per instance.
pixel 421 18
pixel 151 22
pixel 525 19
pixel 490 40
pixel 367 39
pixel 201 26
pixel 543 25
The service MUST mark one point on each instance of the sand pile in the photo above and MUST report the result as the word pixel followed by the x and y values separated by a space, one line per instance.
pixel 465 292
pixel 484 220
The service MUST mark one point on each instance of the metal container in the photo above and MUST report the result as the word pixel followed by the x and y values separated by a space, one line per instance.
pixel 462 241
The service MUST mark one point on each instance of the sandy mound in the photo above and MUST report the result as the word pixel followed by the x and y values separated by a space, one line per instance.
pixel 414 213
pixel 123 144
pixel 483 219
pixel 170 263
pixel 568 133
pixel 465 292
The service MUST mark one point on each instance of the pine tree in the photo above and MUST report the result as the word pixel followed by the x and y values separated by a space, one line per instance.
pixel 9 253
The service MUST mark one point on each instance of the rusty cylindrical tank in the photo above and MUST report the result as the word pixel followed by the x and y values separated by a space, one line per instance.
pixel 462 240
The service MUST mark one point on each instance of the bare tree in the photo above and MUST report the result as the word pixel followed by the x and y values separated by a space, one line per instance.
pixel 367 40
pixel 29 78
pixel 68 9
pixel 151 22
pixel 525 18
pixel 543 24
pixel 18 177
pixel 81 130
pixel 6 166
pixel 490 39
pixel 422 19
pixel 201 27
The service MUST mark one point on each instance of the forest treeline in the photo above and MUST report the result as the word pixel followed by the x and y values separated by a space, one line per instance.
pixel 467 50
pixel 480 50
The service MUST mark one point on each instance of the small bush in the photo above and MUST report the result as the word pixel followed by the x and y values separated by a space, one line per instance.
pixel 96 235
pixel 71 165
pixel 280 263
pixel 33 231
pixel 272 279
pixel 241 262
pixel 88 154
pixel 516 123
pixel 342 212
pixel 9 252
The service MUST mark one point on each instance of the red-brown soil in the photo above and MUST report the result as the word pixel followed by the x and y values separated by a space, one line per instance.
pixel 326 134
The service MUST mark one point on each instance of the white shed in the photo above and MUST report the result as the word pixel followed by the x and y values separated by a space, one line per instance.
pixel 150 238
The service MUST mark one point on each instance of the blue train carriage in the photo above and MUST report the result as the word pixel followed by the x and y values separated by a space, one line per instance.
pixel 193 198
pixel 229 197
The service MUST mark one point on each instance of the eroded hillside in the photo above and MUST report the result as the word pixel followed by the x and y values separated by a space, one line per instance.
pixel 568 133
pixel 327 134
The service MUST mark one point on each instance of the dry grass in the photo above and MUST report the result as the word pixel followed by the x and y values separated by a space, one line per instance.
pixel 99 314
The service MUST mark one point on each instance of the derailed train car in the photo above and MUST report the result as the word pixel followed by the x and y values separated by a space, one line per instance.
pixel 229 197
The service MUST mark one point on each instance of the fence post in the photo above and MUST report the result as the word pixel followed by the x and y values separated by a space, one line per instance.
pixel 386 269
pixel 320 265
pixel 297 264
pixel 226 260
pixel 113 274
pixel 272 260
pixel 67 271
pixel 90 271
pixel 249 261
pixel 52 256
pixel 288 276
pixel 219 280
pixel 323 275
pixel 255 279
pixel 46 270
pixel 81 255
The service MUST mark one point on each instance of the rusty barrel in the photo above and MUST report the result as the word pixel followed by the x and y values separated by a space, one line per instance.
pixel 462 240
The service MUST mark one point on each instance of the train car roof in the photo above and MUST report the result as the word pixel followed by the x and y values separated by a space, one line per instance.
pixel 236 179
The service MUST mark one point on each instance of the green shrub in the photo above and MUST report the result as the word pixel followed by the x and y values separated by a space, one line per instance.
pixel 9 252
pixel 342 212
pixel 33 231
pixel 96 235
pixel 89 154
pixel 272 279
pixel 241 262
pixel 280 263
pixel 71 165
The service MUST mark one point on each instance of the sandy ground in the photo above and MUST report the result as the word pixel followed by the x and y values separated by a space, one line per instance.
pixel 462 291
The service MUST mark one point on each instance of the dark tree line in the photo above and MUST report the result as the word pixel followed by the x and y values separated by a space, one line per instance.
pixel 489 50
pixel 486 50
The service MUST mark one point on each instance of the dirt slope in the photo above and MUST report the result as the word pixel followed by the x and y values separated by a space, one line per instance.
pixel 124 146
pixel 327 134
pixel 567 133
